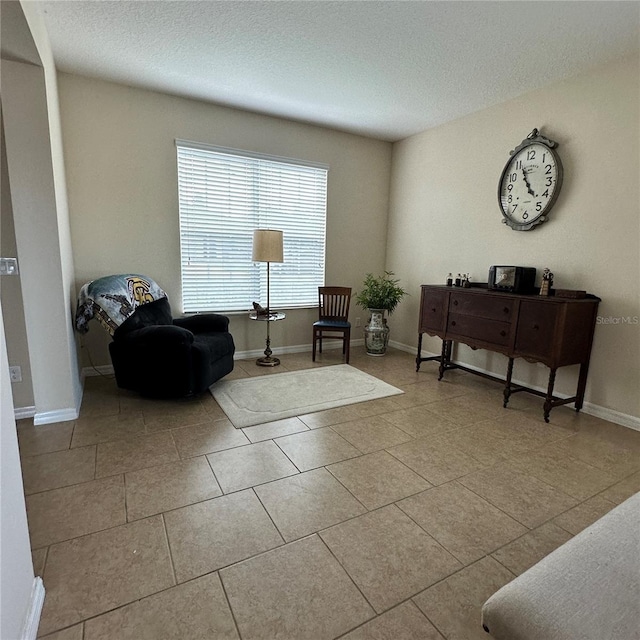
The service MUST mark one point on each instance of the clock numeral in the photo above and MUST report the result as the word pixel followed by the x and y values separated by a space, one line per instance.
pixel 525 215
pixel 548 170
pixel 546 193
pixel 519 165
pixel 538 206
pixel 510 187
pixel 531 154
pixel 513 177
pixel 544 157
pixel 549 181
pixel 510 198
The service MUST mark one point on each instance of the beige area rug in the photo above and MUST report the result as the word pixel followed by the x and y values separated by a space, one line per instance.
pixel 273 397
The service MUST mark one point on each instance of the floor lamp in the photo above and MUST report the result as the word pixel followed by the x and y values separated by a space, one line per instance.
pixel 267 247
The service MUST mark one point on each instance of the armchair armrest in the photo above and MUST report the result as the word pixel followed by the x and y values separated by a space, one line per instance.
pixel 203 323
pixel 160 335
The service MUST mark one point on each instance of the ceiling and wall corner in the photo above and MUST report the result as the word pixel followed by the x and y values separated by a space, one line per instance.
pixel 381 69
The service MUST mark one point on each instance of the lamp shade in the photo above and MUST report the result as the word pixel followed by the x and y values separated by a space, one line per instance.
pixel 267 245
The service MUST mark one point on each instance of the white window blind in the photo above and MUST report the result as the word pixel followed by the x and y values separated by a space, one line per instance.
pixel 223 196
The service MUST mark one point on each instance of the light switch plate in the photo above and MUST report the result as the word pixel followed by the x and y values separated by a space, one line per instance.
pixel 9 267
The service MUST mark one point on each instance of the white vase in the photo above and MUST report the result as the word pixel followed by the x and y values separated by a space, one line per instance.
pixel 376 333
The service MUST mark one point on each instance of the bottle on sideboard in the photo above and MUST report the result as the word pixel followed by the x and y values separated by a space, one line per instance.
pixel 458 281
pixel 449 280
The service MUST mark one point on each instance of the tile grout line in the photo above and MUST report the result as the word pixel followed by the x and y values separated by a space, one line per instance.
pixel 126 509
pixel 353 582
pixel 122 606
pixel 364 506
pixel 510 515
pixel 215 477
pixel 284 542
pixel 274 440
pixel 226 595
pixel 166 539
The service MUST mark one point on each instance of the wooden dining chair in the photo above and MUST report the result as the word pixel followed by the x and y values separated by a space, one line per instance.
pixel 333 317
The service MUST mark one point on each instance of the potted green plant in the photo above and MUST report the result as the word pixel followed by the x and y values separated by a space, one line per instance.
pixel 379 294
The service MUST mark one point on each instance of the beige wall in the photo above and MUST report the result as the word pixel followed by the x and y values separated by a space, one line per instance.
pixel 120 156
pixel 444 217
pixel 11 293
pixel 35 169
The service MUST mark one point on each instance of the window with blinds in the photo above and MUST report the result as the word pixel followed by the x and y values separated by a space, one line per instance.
pixel 224 195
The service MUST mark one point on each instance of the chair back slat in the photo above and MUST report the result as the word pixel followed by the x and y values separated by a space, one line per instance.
pixel 333 303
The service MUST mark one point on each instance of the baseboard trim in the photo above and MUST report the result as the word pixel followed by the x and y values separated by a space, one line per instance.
pixel 24 412
pixel 623 419
pixel 47 417
pixel 32 621
pixel 58 415
pixel 300 348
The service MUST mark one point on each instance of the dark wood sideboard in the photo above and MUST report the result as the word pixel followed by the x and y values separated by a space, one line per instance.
pixel 555 331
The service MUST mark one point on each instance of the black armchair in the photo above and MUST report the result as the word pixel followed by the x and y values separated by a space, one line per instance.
pixel 159 356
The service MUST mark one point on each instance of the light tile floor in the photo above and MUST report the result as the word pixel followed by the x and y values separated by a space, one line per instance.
pixel 394 518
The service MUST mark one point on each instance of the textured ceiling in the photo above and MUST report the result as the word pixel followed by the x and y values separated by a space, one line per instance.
pixel 385 69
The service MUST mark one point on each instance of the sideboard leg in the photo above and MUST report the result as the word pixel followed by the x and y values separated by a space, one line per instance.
pixel 419 356
pixel 582 385
pixel 548 403
pixel 507 386
pixel 443 359
pixel 449 350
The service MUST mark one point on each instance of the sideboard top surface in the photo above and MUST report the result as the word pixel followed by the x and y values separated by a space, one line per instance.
pixel 482 291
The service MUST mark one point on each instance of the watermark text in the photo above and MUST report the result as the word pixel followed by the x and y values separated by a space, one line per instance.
pixel 633 320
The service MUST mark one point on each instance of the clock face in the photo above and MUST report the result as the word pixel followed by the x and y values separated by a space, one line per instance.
pixel 529 185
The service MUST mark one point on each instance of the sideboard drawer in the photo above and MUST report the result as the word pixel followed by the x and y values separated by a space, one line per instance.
pixel 490 307
pixel 536 330
pixel 433 310
pixel 488 331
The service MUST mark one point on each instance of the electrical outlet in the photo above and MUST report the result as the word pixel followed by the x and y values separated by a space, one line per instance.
pixel 9 267
pixel 357 322
pixel 15 373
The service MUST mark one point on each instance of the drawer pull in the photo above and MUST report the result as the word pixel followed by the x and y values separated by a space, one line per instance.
pixel 503 333
pixel 453 324
pixel 536 327
pixel 506 309
pixel 455 303
pixel 433 309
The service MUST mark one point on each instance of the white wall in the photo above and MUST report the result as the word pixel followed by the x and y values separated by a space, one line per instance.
pixel 444 217
pixel 16 567
pixel 36 174
pixel 119 145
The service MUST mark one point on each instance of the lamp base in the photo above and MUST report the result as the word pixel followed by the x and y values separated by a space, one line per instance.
pixel 268 361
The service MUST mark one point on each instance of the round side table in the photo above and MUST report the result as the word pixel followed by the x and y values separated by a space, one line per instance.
pixel 268 360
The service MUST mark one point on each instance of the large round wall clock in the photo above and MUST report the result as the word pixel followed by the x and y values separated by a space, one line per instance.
pixel 530 182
